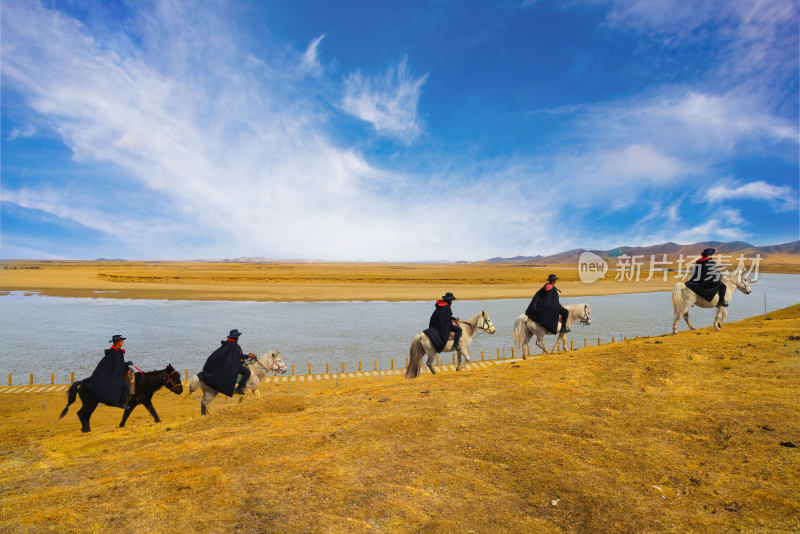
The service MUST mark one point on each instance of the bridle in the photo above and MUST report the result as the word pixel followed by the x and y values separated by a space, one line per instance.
pixel 585 319
pixel 487 324
pixel 168 383
pixel 741 288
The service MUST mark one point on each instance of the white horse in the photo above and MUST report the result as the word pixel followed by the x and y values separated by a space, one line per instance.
pixel 270 362
pixel 684 298
pixel 525 328
pixel 421 345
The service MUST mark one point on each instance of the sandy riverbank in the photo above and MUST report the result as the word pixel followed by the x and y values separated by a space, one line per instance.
pixel 304 281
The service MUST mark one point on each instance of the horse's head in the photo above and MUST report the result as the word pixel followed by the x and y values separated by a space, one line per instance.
pixel 741 282
pixel 276 365
pixel 172 380
pixel 485 323
pixel 586 318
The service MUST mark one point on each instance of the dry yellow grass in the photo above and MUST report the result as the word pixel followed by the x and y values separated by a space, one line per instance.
pixel 650 435
pixel 302 282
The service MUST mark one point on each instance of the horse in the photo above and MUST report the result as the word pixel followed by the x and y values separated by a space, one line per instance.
pixel 422 345
pixel 270 362
pixel 525 328
pixel 146 385
pixel 684 298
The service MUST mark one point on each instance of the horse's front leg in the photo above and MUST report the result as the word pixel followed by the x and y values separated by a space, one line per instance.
pixel 149 405
pixel 462 363
pixel 132 403
pixel 719 318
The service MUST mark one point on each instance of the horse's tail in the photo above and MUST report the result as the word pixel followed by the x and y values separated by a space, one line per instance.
pixel 678 300
pixel 415 354
pixel 72 392
pixel 520 329
pixel 194 383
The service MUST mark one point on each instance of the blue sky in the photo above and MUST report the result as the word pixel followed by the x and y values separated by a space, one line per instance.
pixel 395 130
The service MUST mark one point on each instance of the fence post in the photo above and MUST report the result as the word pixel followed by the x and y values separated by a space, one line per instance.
pixel 326 368
pixel 585 343
pixel 186 374
pixel 343 367
pixel 376 365
pixel 9 380
pixel 512 352
pixel 309 368
pixel 31 378
pixel 454 357
pixel 498 353
pixel 359 365
pixel 612 339
pixel 52 381
pixel 292 370
pixel 572 344
pixel 392 363
pixel 406 362
pixel 71 377
pixel 598 341
pixel 483 355
pixel 437 359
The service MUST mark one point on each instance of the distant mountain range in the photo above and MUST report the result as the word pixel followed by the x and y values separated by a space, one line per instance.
pixel 774 252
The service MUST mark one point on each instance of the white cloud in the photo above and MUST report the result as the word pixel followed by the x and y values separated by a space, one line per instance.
pixel 759 190
pixel 26 130
pixel 310 62
pixel 388 102
pixel 238 153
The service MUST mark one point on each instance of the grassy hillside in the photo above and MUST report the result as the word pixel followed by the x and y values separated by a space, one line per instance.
pixel 650 435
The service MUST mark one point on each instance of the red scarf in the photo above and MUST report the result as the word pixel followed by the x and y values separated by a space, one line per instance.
pixel 441 303
pixel 114 347
pixel 231 339
pixel 548 286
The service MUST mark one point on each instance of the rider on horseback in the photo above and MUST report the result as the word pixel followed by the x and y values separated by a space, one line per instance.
pixel 112 381
pixel 222 367
pixel 545 307
pixel 706 278
pixel 443 322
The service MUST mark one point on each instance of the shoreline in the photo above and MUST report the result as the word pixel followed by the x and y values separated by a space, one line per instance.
pixel 310 282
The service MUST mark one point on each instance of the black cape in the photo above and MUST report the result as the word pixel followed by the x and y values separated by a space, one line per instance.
pixel 705 278
pixel 107 382
pixel 545 308
pixel 222 366
pixel 439 326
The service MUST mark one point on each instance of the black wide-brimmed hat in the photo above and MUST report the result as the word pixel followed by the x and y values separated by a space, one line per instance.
pixel 552 278
pixel 234 334
pixel 708 251
pixel 117 337
pixel 449 297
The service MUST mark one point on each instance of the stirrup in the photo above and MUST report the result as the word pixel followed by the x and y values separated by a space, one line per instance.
pixel 722 303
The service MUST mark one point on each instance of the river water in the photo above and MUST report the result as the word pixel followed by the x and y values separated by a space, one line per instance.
pixel 42 334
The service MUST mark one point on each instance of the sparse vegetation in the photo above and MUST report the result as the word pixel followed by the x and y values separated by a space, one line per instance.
pixel 681 436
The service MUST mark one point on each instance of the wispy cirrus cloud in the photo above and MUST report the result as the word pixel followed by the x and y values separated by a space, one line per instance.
pixel 310 62
pixel 758 190
pixel 237 153
pixel 388 101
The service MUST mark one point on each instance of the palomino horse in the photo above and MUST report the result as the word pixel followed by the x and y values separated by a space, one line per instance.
pixel 270 362
pixel 146 384
pixel 421 345
pixel 525 328
pixel 684 298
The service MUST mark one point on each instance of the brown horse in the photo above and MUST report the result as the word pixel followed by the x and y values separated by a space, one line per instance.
pixel 146 384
